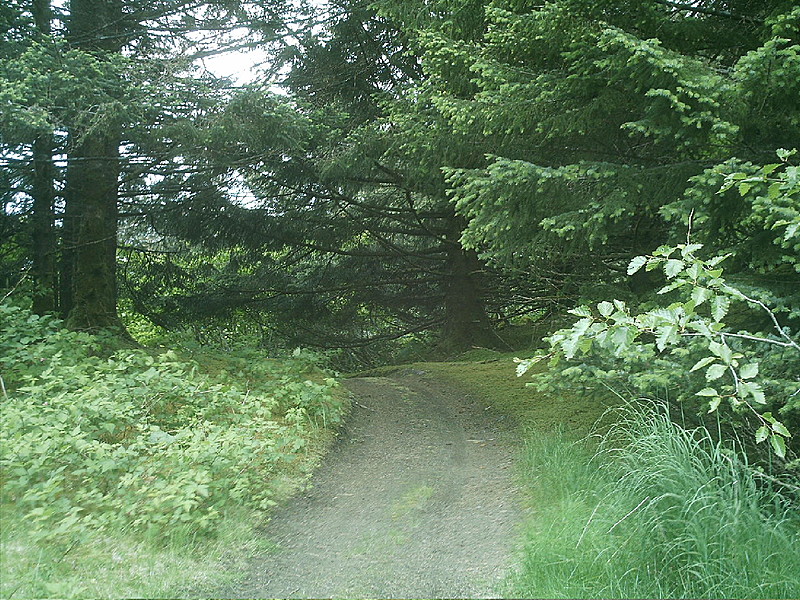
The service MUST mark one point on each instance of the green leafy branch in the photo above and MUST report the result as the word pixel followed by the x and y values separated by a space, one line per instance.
pixel 705 300
pixel 774 193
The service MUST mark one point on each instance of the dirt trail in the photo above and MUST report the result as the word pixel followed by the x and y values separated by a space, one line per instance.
pixel 416 500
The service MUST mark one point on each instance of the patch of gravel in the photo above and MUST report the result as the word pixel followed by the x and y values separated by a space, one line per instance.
pixel 416 500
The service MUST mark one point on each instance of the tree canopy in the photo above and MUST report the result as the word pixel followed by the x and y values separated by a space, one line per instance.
pixel 405 171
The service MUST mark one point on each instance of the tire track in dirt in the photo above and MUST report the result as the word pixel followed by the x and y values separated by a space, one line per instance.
pixel 416 500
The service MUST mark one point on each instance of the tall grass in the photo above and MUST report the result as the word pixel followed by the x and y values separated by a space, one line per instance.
pixel 657 511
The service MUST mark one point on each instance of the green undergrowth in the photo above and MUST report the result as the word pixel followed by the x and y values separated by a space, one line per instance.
pixel 654 511
pixel 138 472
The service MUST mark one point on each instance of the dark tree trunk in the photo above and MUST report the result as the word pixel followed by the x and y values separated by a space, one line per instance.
pixel 43 193
pixel 94 273
pixel 44 238
pixel 466 323
pixel 92 186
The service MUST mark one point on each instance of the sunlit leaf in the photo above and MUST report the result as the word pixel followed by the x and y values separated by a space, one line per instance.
pixel 749 370
pixel 673 267
pixel 780 428
pixel 707 392
pixel 778 445
pixel 636 264
pixel 715 371
pixel 702 363
pixel 605 308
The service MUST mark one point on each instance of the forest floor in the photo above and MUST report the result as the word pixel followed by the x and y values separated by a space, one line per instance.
pixel 416 500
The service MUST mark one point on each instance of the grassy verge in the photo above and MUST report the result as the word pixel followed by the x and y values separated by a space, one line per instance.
pixel 120 564
pixel 655 512
pixel 143 473
pixel 492 376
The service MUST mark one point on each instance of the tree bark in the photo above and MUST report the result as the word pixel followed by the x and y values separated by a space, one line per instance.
pixel 69 242
pixel 94 256
pixel 43 234
pixel 92 186
pixel 467 324
pixel 43 193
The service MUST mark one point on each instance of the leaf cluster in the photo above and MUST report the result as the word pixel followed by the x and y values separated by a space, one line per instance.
pixel 687 347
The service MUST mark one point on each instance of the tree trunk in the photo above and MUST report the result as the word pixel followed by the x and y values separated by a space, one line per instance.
pixel 43 193
pixel 92 186
pixel 94 272
pixel 43 234
pixel 466 323
pixel 69 242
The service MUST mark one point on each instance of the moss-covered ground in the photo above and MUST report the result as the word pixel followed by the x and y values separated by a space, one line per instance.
pixel 492 376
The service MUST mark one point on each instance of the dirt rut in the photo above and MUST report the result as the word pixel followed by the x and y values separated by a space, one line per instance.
pixel 416 500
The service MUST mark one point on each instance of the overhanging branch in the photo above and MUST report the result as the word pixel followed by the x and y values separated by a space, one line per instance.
pixel 690 7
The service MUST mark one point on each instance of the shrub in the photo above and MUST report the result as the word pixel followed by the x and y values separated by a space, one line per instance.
pixel 94 439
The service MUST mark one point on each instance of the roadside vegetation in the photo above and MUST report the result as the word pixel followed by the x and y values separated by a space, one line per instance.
pixel 678 497
pixel 143 472
pixel 652 510
pixel 691 495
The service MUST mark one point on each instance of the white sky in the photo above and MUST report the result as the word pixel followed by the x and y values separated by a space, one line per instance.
pixel 241 66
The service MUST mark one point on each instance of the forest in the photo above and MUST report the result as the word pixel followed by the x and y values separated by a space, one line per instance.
pixel 600 197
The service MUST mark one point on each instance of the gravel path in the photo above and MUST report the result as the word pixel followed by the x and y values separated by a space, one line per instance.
pixel 416 500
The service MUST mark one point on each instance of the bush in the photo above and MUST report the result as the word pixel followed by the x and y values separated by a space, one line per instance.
pixel 95 439
pixel 701 340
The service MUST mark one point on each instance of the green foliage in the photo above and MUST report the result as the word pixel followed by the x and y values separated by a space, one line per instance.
pixel 751 212
pixel 592 116
pixel 95 440
pixel 657 511
pixel 689 332
pixel 50 85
